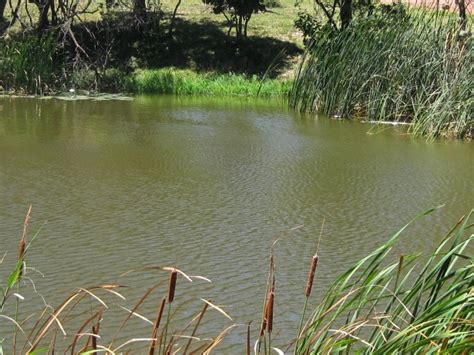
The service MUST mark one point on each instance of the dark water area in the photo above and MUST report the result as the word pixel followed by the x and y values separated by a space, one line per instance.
pixel 207 185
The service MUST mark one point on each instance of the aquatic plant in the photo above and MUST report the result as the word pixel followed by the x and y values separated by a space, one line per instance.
pixel 411 66
pixel 418 304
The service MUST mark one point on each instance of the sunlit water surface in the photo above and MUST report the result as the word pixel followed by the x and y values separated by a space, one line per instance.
pixel 207 186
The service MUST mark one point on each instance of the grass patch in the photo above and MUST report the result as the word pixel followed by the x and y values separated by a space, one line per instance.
pixel 186 82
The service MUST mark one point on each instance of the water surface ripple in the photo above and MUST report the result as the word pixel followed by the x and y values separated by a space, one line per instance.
pixel 207 185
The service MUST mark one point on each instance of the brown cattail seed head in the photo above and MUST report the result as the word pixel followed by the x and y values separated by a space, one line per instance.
pixel 312 271
pixel 264 322
pixel 269 312
pixel 172 286
pixel 21 249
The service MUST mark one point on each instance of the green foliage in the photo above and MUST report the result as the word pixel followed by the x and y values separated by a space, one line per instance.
pixel 185 82
pixel 27 63
pixel 392 67
pixel 237 12
pixel 417 305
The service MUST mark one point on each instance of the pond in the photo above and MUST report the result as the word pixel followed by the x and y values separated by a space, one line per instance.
pixel 207 185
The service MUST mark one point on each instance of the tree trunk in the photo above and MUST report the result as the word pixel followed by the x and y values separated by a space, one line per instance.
pixel 247 19
pixel 139 9
pixel 43 7
pixel 462 14
pixel 3 4
pixel 109 4
pixel 346 13
pixel 173 18
pixel 239 27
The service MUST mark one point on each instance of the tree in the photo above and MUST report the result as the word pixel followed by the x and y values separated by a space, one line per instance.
pixel 237 12
pixel 3 4
pixel 139 10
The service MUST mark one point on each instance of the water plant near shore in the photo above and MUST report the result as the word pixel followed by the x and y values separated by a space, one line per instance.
pixel 419 304
pixel 398 65
pixel 185 82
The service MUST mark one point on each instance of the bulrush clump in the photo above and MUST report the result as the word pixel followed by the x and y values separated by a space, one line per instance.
pixel 172 285
pixel 312 271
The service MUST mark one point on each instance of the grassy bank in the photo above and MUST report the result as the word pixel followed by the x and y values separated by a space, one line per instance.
pixel 186 82
pixel 106 52
pixel 411 66
pixel 382 304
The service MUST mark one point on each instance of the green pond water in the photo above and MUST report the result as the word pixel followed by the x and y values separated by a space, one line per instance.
pixel 207 186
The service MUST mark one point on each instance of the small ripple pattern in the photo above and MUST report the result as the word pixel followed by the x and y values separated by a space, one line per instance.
pixel 208 187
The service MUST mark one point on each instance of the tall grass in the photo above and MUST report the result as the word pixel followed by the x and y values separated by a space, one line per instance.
pixel 186 82
pixel 418 304
pixel 26 64
pixel 403 65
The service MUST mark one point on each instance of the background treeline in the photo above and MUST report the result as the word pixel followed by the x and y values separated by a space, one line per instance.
pixel 56 45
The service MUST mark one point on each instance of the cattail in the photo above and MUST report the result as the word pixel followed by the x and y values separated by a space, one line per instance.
pixel 21 249
pixel 312 271
pixel 95 332
pixel 264 323
pixel 248 352
pixel 21 253
pixel 172 285
pixel 269 312
pixel 22 245
pixel 400 264
pixel 156 326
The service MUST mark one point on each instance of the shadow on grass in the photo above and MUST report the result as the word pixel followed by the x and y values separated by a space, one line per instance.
pixel 200 46
pixel 204 46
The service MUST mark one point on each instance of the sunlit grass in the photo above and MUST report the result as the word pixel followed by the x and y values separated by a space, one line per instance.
pixel 186 82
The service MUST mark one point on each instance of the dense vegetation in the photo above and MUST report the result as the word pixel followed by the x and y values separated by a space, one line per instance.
pixel 410 305
pixel 108 47
pixel 362 59
pixel 392 65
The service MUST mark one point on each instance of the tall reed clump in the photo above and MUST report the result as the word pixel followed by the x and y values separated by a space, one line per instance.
pixel 26 64
pixel 186 82
pixel 415 305
pixel 399 65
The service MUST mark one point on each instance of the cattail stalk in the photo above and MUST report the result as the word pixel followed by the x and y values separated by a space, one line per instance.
pixel 312 271
pixel 399 270
pixel 20 260
pixel 269 317
pixel 172 285
pixel 154 333
pixel 95 333
pixel 171 293
pixel 307 293
pixel 248 352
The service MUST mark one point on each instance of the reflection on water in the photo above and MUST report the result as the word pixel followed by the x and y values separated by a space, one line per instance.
pixel 207 185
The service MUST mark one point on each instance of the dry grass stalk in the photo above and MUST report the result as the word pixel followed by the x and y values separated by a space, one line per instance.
pixel 198 322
